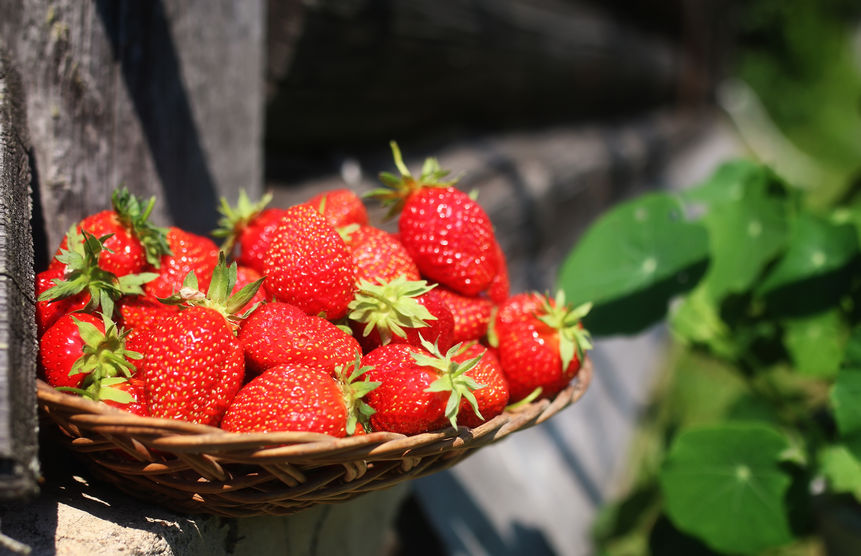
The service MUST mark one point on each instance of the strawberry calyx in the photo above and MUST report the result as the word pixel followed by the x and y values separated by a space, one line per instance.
pixel 234 219
pixel 389 307
pixel 219 296
pixel 453 377
pixel 346 232
pixel 353 390
pixel 83 273
pixel 135 217
pixel 104 360
pixel 397 189
pixel 573 338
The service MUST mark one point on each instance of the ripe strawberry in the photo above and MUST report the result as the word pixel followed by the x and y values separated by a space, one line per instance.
pixel 247 229
pixel 498 290
pixel 420 388
pixel 378 255
pixel 138 315
pixel 194 364
pixel 400 311
pixel 471 314
pixel 278 333
pixel 288 398
pixel 539 347
pixel 309 265
pixel 134 388
pixel 340 207
pixel 448 235
pixel 491 398
pixel 81 352
pixel 79 283
pixel 132 240
pixel 191 253
pixel 296 398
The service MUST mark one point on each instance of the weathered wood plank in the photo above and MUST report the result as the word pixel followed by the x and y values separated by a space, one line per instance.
pixel 163 96
pixel 18 451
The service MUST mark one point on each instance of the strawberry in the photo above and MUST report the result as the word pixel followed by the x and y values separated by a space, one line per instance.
pixel 378 255
pixel 420 388
pixel 341 207
pixel 400 311
pixel 190 253
pixel 246 275
pixel 471 314
pixel 297 398
pixel 80 283
pixel 84 354
pixel 138 315
pixel 498 290
pixel 247 229
pixel 134 388
pixel 130 240
pixel 541 343
pixel 491 398
pixel 447 233
pixel 279 333
pixel 194 363
pixel 309 265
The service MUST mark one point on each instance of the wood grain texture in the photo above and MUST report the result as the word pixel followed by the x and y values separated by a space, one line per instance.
pixel 18 462
pixel 164 97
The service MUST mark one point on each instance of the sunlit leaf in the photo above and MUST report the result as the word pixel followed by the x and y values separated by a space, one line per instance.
pixel 726 486
pixel 842 470
pixel 845 398
pixel 816 343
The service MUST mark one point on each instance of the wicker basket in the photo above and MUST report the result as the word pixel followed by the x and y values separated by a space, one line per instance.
pixel 202 469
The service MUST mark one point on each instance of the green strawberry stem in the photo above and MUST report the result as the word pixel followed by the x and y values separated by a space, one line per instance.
pixel 235 219
pixel 525 401
pixel 389 307
pixel 104 361
pixel 452 378
pixel 135 217
pixel 219 295
pixel 573 338
pixel 358 412
pixel 83 273
pixel 397 188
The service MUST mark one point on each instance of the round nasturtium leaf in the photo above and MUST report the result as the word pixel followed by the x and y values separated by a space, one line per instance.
pixel 845 398
pixel 635 257
pixel 816 342
pixel 726 485
pixel 842 469
pixel 816 247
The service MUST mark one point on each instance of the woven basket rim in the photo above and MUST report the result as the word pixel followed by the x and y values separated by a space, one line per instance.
pixel 182 436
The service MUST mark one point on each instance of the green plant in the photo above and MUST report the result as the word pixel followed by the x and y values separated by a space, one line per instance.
pixel 761 428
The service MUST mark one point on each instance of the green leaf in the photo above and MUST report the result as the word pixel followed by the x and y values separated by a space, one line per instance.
pixel 697 320
pixel 632 261
pixel 726 485
pixel 816 248
pixel 845 398
pixel 744 236
pixel 852 355
pixel 816 343
pixel 842 470
pixel 732 181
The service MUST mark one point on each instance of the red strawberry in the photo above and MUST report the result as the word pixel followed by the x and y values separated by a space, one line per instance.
pixel 288 398
pixel 448 234
pixel 194 364
pixel 498 290
pixel 539 347
pixel 420 390
pixel 85 354
pixel 279 333
pixel 133 240
pixel 492 397
pixel 379 256
pixel 247 229
pixel 341 207
pixel 138 315
pixel 309 265
pixel 79 283
pixel 191 253
pixel 471 314
pixel 296 398
pixel 400 311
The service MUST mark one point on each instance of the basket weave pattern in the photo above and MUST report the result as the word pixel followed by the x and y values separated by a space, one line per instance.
pixel 202 469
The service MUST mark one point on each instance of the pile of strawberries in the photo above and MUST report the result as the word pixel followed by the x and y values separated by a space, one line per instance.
pixel 307 319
